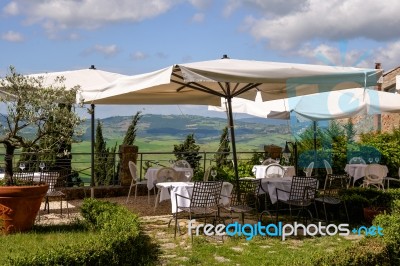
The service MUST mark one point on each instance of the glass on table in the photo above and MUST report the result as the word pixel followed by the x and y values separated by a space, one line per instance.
pixel 277 160
pixel 377 159
pixel 261 160
pixel 22 166
pixel 213 173
pixel 187 175
pixel 370 160
pixel 42 165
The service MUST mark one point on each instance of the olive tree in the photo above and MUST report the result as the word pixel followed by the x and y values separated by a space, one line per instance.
pixel 35 112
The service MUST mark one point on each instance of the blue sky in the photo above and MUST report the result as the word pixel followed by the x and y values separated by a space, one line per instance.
pixel 136 36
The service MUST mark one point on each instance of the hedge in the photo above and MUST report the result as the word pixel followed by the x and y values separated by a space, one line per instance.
pixel 118 240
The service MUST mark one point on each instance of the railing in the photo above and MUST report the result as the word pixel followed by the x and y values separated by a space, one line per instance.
pixel 81 162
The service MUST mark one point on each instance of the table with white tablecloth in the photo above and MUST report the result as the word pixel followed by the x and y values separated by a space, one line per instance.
pixel 36 176
pixel 269 185
pixel 357 171
pixel 259 171
pixel 170 189
pixel 151 175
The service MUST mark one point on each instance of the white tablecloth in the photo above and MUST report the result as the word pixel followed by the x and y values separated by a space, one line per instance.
pixel 151 175
pixel 271 184
pixel 259 171
pixel 36 176
pixel 169 189
pixel 357 171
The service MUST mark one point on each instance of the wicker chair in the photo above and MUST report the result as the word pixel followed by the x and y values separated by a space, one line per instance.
pixel 204 201
pixel 274 170
pixel 328 168
pixel 374 176
pixel 135 182
pixel 181 164
pixel 357 160
pixel 268 161
pixel 301 195
pixel 55 182
pixel 207 173
pixel 330 194
pixel 244 198
pixel 309 169
pixel 164 174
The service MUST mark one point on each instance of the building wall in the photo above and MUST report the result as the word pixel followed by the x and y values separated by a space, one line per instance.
pixel 390 121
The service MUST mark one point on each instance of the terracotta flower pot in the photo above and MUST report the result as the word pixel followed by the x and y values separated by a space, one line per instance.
pixel 370 213
pixel 19 206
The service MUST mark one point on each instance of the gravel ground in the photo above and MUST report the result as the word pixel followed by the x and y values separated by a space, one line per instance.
pixel 139 206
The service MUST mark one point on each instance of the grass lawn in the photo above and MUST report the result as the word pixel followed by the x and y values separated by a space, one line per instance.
pixel 237 250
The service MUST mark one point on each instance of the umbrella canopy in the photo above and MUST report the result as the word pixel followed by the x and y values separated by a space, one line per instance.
pixel 88 80
pixel 321 106
pixel 206 82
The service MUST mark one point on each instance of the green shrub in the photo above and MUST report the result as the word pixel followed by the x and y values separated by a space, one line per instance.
pixel 367 252
pixel 117 240
pixel 391 231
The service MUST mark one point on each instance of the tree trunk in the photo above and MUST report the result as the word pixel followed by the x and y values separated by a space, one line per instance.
pixel 8 162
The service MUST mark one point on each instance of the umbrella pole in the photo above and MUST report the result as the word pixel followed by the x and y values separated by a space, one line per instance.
pixel 92 153
pixel 230 117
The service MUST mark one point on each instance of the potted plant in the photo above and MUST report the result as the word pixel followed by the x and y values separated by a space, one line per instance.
pixel 38 117
pixel 375 206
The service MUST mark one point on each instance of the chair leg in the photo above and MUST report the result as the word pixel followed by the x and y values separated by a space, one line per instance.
pixel 326 214
pixel 135 192
pixel 129 193
pixel 61 205
pixel 148 196
pixel 156 200
pixel 347 214
pixel 176 223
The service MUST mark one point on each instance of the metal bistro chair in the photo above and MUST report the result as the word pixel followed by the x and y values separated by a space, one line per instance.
pixel 23 177
pixel 330 195
pixel 204 201
pixel 135 182
pixel 55 182
pixel 244 198
pixel 300 197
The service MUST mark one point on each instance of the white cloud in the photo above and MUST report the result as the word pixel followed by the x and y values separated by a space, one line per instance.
pixel 87 14
pixel 388 56
pixel 11 9
pixel 12 36
pixel 335 55
pixel 201 4
pixel 198 17
pixel 106 51
pixel 139 56
pixel 325 20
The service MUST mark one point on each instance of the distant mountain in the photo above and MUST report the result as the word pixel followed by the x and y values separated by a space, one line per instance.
pixel 182 125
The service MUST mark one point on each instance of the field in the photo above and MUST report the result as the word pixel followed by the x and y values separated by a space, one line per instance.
pixel 159 134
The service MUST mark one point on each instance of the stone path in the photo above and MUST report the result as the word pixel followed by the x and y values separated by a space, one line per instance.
pixel 157 228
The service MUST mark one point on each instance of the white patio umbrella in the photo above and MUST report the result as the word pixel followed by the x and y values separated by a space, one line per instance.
pixel 88 79
pixel 205 82
pixel 320 106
